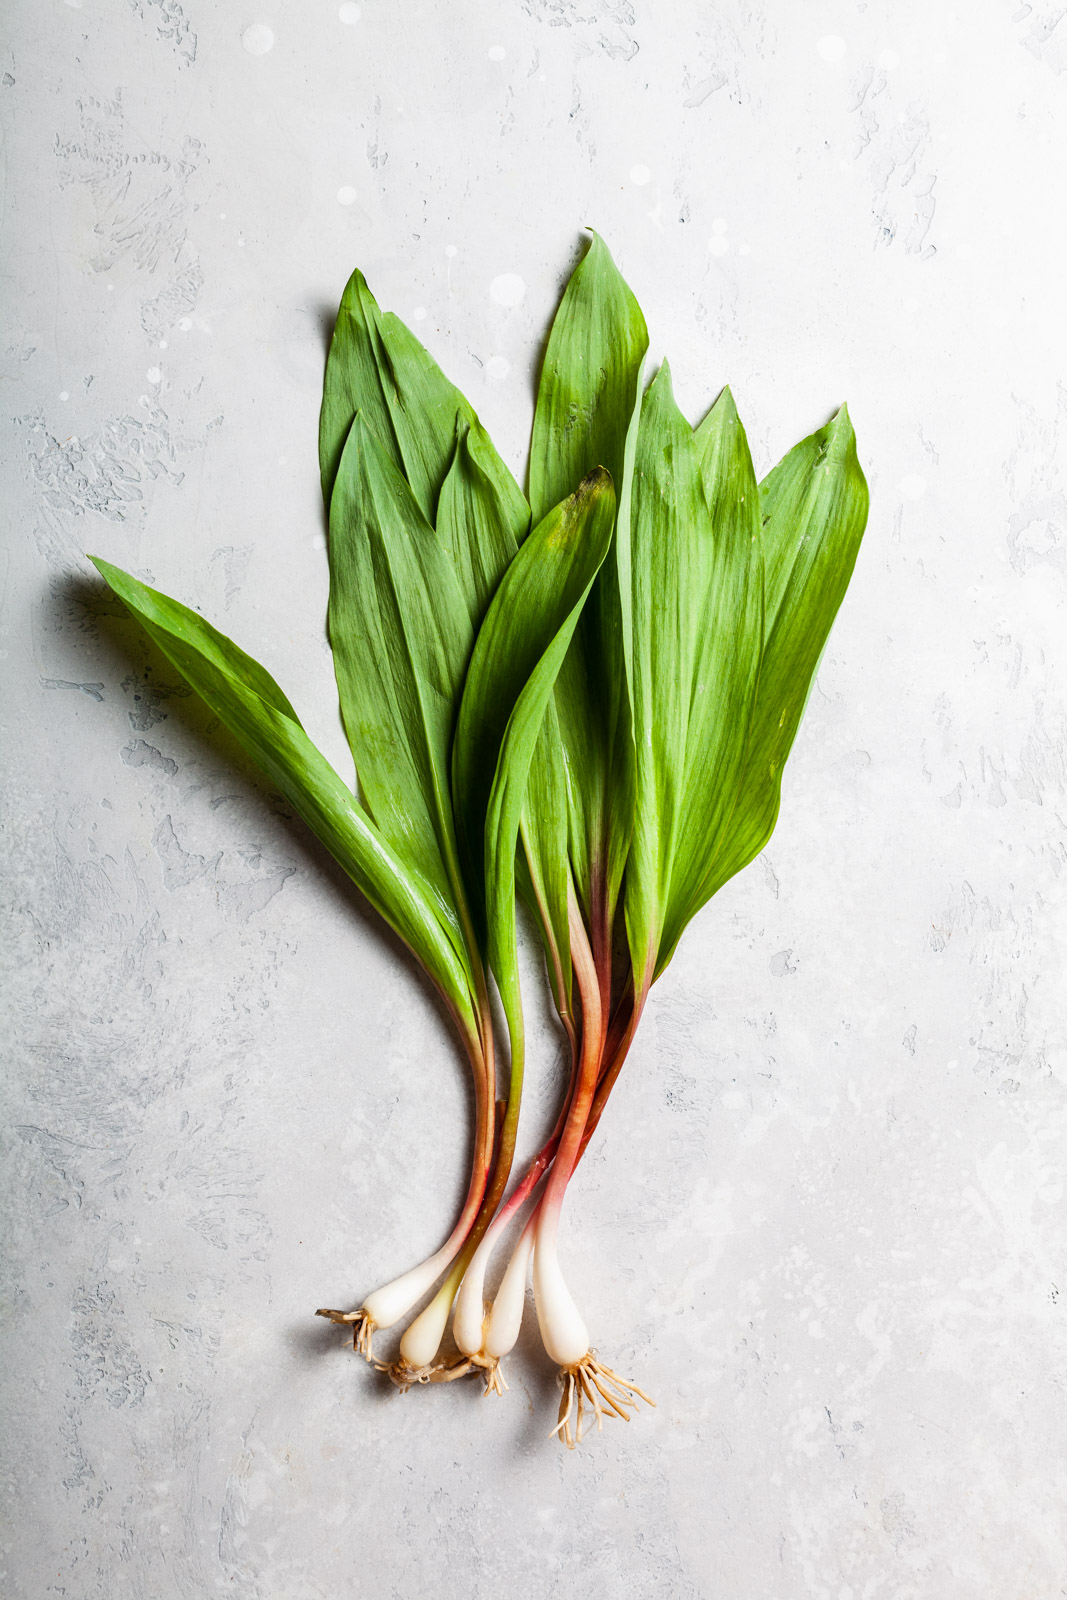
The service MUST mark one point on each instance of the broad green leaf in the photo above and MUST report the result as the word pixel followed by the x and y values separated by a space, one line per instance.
pixel 588 401
pixel 813 510
pixel 402 634
pixel 696 605
pixel 377 367
pixel 523 641
pixel 588 387
pixel 249 702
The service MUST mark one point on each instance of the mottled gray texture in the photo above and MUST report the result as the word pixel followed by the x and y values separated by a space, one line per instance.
pixel 824 1224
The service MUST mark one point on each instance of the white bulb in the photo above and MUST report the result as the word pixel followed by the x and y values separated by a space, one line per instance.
pixel 505 1319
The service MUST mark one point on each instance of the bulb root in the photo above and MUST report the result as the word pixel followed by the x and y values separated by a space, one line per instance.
pixel 490 1369
pixel 405 1376
pixel 495 1382
pixel 362 1329
pixel 588 1384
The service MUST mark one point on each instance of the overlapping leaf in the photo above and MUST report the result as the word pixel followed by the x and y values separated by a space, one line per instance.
pixel 402 635
pixel 695 604
pixel 587 403
pixel 424 519
pixel 520 649
pixel 376 366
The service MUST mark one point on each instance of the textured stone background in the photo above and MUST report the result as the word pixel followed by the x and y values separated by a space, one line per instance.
pixel 824 1224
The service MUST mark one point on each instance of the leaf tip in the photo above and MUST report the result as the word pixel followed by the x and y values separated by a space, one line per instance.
pixel 595 481
pixel 841 423
pixel 726 405
pixel 663 378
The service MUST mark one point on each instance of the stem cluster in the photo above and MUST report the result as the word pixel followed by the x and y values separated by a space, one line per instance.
pixel 599 1037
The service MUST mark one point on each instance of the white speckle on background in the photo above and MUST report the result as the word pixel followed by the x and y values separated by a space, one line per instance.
pixel 64 394
pixel 497 52
pixel 640 175
pixel 888 60
pixel 162 345
pixel 348 12
pixel 832 47
pixel 185 324
pixel 419 314
pixel 912 486
pixel 154 375
pixel 507 289
pixel 450 251
pixel 498 367
pixel 346 196
pixel 258 40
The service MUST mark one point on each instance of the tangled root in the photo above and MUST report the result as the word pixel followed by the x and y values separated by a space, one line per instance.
pixel 401 1372
pixel 362 1329
pixel 405 1376
pixel 588 1384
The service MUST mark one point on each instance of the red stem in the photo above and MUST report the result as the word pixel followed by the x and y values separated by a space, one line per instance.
pixel 481 1053
pixel 594 1029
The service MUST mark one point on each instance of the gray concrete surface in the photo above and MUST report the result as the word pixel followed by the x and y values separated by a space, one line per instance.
pixel 824 1224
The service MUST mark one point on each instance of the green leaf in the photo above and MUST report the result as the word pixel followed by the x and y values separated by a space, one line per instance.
pixel 696 588
pixel 482 518
pixel 377 367
pixel 813 509
pixel 246 698
pixel 406 604
pixel 402 633
pixel 519 651
pixel 588 389
pixel 588 401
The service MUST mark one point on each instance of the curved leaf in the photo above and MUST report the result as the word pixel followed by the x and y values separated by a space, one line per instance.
pixel 813 510
pixel 249 702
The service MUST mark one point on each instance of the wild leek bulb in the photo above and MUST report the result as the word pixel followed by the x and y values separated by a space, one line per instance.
pixel 583 696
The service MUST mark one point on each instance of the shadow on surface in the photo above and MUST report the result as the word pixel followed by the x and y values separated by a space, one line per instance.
pixel 123 652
